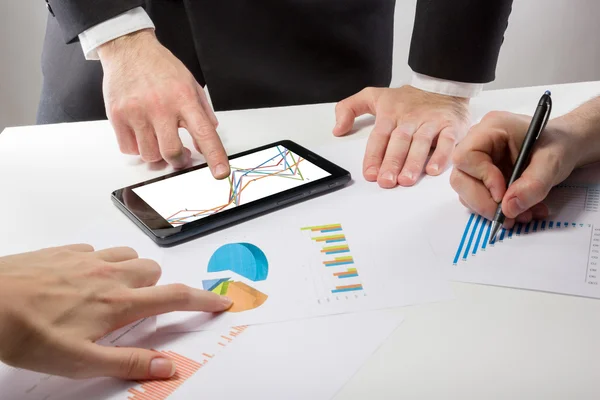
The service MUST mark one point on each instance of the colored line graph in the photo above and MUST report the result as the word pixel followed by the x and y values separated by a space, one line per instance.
pixel 477 232
pixel 284 165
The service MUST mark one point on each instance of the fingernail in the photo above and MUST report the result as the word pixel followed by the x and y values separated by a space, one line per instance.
pixel 162 368
pixel 226 301
pixel 516 205
pixel 388 176
pixel 220 170
pixel 434 168
pixel 371 171
pixel 408 175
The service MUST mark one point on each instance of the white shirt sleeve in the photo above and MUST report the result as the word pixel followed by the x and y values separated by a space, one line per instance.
pixel 442 86
pixel 131 21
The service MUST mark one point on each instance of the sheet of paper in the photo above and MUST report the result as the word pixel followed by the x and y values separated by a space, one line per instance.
pixel 343 252
pixel 560 254
pixel 294 360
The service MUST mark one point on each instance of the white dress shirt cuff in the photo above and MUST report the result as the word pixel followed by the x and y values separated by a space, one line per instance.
pixel 442 86
pixel 131 21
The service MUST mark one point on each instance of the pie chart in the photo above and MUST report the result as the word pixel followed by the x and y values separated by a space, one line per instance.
pixel 246 260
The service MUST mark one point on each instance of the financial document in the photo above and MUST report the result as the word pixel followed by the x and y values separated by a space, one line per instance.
pixel 560 254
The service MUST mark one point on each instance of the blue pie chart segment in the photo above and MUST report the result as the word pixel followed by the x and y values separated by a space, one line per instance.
pixel 244 259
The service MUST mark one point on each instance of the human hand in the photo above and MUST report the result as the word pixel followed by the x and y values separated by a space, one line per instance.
pixel 55 303
pixel 149 94
pixel 408 123
pixel 484 160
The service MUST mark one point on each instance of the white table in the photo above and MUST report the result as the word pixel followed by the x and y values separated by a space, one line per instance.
pixel 488 343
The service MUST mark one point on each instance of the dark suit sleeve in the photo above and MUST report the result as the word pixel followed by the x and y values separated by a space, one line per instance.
pixel 458 40
pixel 75 16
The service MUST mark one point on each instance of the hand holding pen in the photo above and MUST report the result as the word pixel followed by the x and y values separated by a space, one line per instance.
pixel 486 159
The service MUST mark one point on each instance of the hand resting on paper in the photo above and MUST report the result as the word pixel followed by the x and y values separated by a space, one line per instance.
pixel 409 122
pixel 483 161
pixel 55 303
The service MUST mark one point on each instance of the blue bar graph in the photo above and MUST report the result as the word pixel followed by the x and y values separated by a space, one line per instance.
pixel 476 234
pixel 519 228
pixel 502 233
pixel 479 235
pixel 471 237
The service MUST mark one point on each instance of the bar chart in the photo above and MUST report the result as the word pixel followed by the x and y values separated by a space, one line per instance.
pixel 476 234
pixel 334 270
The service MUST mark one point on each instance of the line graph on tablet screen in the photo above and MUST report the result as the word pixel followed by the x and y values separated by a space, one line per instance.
pixel 191 196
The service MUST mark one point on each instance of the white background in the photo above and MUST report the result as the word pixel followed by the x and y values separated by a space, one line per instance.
pixel 561 35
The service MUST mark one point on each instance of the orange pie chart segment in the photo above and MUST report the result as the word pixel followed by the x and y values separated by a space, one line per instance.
pixel 244 297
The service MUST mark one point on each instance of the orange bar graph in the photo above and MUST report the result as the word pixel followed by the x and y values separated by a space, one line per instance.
pixel 161 389
pixel 357 286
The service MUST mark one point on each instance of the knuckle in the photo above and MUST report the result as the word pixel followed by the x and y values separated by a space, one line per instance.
pixel 205 130
pixel 181 293
pixel 423 136
pixel 455 180
pixel 103 270
pixel 186 92
pixel 493 116
pixel 538 188
pixel 172 152
pixel 130 365
pixel 392 163
pixel 369 91
pixel 403 135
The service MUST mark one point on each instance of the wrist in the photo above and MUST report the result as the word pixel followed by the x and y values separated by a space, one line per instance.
pixel 581 134
pixel 126 45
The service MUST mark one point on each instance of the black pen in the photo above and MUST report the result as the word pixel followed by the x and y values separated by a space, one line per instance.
pixel 537 125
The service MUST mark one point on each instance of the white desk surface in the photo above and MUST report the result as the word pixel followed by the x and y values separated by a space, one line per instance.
pixel 488 343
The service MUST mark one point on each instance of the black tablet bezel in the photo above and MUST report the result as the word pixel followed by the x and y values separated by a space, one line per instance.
pixel 163 232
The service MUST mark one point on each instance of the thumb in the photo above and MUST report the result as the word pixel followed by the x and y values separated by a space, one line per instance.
pixel 347 110
pixel 527 191
pixel 129 363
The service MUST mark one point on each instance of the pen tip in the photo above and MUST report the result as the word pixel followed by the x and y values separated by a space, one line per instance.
pixel 548 93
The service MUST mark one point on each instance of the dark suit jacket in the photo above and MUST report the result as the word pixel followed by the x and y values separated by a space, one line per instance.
pixel 284 52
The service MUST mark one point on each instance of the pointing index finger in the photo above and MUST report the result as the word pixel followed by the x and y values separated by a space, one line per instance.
pixel 151 301
pixel 207 139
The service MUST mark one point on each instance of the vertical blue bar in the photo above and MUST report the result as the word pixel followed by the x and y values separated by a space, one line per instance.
pixel 543 225
pixel 464 237
pixel 551 224
pixel 476 247
pixel 535 225
pixel 466 253
pixel 510 233
pixel 558 224
pixel 527 227
pixel 519 227
pixel 487 235
pixel 502 233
